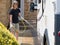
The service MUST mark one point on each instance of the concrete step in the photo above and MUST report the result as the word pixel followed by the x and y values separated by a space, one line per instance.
pixel 29 41
pixel 23 28
pixel 32 22
pixel 31 18
pixel 26 40
pixel 28 33
pixel 27 27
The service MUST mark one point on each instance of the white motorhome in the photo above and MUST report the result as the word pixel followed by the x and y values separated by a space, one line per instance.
pixel 48 22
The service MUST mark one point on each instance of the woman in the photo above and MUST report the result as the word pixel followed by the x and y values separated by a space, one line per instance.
pixel 14 13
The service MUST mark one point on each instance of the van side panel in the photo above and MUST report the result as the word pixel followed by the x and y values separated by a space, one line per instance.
pixel 57 28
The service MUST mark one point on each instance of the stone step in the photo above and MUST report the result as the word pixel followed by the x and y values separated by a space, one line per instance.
pixel 29 27
pixel 34 16
pixel 29 21
pixel 29 41
pixel 28 33
pixel 32 22
pixel 26 40
pixel 31 15
pixel 31 18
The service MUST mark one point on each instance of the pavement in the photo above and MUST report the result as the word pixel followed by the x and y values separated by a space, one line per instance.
pixel 29 37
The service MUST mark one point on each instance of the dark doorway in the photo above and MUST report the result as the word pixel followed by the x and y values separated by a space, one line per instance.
pixel 19 3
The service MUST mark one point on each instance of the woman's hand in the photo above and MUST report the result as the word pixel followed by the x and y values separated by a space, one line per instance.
pixel 11 25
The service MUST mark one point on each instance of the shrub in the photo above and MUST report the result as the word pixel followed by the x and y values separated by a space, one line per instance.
pixel 6 38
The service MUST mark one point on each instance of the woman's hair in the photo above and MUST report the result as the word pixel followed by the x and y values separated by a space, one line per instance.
pixel 14 2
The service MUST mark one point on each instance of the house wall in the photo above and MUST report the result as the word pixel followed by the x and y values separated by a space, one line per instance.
pixel 4 6
pixel 27 14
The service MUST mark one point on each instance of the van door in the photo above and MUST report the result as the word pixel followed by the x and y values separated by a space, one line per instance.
pixel 57 23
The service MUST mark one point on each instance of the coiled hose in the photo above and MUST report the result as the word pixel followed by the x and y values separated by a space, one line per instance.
pixel 24 26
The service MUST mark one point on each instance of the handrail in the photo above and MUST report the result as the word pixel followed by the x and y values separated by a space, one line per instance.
pixel 27 22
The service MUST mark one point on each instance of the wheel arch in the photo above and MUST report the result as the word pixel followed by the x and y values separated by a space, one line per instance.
pixel 46 38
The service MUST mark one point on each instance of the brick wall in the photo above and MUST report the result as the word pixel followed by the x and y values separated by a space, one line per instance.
pixel 4 6
pixel 27 14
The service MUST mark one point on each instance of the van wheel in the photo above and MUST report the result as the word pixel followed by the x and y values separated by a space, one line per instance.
pixel 45 41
